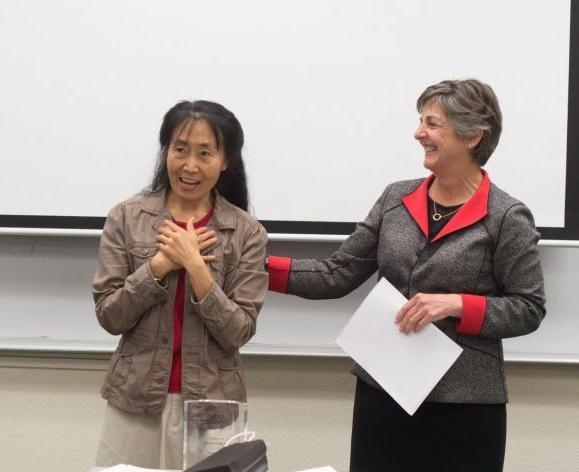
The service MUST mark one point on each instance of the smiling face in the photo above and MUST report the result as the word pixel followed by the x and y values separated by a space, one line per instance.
pixel 444 152
pixel 194 164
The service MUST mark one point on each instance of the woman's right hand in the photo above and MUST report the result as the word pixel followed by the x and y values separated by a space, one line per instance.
pixel 161 265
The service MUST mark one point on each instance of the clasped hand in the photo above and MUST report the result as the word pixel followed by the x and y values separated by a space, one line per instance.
pixel 424 308
pixel 179 248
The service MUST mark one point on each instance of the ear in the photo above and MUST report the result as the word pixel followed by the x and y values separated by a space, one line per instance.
pixel 224 165
pixel 473 142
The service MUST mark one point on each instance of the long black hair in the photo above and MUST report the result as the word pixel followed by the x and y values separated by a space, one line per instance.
pixel 232 183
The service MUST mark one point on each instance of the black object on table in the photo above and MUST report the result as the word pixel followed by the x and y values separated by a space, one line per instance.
pixel 241 457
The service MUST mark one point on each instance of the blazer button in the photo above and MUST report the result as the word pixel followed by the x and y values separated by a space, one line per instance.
pixel 144 251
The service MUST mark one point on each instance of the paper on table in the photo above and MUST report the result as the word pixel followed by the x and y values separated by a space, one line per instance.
pixel 128 468
pixel 326 468
pixel 407 366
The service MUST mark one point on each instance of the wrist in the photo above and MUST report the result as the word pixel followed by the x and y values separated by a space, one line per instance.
pixel 158 269
pixel 195 263
pixel 457 304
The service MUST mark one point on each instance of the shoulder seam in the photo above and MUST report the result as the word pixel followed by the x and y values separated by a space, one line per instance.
pixel 505 215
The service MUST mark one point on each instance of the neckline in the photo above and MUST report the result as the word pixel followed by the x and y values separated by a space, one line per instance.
pixel 444 207
pixel 197 224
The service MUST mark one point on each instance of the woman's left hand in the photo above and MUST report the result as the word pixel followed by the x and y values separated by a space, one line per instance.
pixel 424 308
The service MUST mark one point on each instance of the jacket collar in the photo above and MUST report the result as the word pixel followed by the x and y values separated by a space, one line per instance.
pixel 224 213
pixel 475 209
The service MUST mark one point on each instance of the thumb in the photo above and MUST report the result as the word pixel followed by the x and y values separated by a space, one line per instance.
pixel 189 225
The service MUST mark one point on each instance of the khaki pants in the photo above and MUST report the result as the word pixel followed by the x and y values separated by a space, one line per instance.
pixel 152 441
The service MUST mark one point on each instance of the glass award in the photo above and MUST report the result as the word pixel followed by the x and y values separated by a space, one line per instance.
pixel 210 425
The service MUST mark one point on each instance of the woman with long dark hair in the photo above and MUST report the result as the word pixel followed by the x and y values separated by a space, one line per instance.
pixel 182 314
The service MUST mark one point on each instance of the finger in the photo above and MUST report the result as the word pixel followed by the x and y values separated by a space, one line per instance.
pixel 407 318
pixel 162 247
pixel 163 238
pixel 208 258
pixel 405 308
pixel 206 235
pixel 412 322
pixel 201 230
pixel 401 313
pixel 421 324
pixel 208 243
pixel 166 231
pixel 402 323
pixel 172 226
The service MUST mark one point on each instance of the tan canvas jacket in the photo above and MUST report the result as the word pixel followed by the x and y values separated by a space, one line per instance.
pixel 131 303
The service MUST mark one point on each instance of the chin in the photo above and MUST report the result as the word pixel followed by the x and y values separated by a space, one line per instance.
pixel 429 164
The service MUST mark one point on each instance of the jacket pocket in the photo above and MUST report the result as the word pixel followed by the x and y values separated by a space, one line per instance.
pixel 140 253
pixel 121 365
pixel 231 382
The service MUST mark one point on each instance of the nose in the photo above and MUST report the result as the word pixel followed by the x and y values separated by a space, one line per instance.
pixel 420 132
pixel 191 164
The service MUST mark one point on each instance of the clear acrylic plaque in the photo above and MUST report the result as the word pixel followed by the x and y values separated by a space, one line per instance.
pixel 209 425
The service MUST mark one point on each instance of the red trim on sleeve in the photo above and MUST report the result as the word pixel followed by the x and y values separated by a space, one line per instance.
pixel 278 269
pixel 473 314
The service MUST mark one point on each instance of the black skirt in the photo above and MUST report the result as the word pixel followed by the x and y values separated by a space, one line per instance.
pixel 439 437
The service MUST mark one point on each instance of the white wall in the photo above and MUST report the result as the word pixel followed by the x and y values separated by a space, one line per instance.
pixel 50 409
pixel 45 301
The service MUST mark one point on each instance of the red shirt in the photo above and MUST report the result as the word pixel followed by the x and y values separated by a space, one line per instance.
pixel 178 310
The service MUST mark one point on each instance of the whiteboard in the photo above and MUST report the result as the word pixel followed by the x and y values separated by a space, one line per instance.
pixel 46 305
pixel 325 90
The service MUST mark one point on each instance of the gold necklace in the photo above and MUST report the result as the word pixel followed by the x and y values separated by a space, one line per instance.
pixel 437 215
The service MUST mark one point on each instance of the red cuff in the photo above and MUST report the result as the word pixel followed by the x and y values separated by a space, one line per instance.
pixel 473 314
pixel 278 269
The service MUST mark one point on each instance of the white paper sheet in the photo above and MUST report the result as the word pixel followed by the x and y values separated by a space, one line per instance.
pixel 128 468
pixel 407 366
pixel 327 468
pixel 132 468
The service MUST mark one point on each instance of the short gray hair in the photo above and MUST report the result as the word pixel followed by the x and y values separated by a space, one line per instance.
pixel 470 105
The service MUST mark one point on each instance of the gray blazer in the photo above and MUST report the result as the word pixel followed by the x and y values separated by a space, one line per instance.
pixel 488 250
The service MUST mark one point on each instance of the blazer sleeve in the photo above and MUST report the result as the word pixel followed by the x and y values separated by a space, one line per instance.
pixel 230 312
pixel 519 307
pixel 347 268
pixel 121 297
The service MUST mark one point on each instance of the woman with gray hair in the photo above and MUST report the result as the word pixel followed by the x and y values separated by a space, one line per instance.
pixel 464 253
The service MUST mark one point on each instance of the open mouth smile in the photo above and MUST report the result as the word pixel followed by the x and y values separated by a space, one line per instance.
pixel 188 183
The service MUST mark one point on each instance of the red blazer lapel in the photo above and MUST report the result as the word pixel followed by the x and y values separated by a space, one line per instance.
pixel 475 209
pixel 416 204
